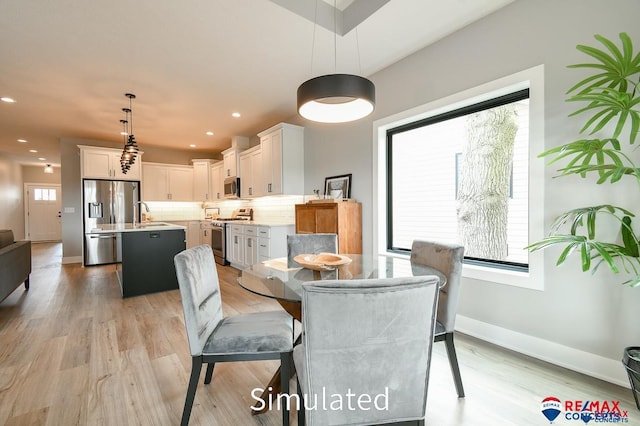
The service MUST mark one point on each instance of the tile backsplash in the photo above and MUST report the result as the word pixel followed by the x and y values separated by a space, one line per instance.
pixel 265 209
pixel 164 211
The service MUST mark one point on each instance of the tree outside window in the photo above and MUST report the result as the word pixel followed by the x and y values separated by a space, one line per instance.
pixel 463 176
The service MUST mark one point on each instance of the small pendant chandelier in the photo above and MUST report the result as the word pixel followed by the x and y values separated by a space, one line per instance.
pixel 336 98
pixel 130 150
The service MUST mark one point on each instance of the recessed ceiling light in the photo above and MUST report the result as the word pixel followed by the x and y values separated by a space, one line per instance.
pixel 33 150
pixel 7 100
pixel 192 145
pixel 209 133
pixel 21 140
pixel 41 158
pixel 235 114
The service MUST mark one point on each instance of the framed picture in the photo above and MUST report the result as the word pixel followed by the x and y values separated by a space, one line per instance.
pixel 337 186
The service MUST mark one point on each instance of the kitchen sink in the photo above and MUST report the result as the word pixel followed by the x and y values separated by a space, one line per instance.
pixel 148 225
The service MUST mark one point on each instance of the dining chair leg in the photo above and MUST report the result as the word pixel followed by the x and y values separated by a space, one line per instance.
pixel 196 368
pixel 209 374
pixel 453 362
pixel 285 377
pixel 301 410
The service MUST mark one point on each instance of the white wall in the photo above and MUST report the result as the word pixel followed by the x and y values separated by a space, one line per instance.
pixel 592 316
pixel 11 203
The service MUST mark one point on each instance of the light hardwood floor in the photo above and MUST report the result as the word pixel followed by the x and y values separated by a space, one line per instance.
pixel 72 352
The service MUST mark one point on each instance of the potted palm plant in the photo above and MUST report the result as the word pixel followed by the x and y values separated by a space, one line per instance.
pixel 609 98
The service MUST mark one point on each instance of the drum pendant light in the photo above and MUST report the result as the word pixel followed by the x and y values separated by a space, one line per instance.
pixel 336 98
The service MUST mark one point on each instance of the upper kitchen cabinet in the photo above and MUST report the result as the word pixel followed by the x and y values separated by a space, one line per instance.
pixel 217 181
pixel 104 163
pixel 167 182
pixel 231 156
pixel 282 160
pixel 251 173
pixel 202 190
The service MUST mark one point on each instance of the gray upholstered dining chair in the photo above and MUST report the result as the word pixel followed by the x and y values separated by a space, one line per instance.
pixel 214 338
pixel 309 244
pixel 447 258
pixel 369 338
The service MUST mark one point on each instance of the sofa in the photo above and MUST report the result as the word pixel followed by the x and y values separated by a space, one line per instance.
pixel 15 263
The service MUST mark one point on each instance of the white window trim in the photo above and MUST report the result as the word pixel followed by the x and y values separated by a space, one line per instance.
pixel 532 78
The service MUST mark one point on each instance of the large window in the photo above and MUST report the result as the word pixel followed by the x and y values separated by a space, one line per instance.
pixel 463 176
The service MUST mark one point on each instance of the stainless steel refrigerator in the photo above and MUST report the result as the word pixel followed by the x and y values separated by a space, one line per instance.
pixel 106 202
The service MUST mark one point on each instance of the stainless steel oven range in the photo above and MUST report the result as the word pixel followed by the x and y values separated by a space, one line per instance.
pixel 219 233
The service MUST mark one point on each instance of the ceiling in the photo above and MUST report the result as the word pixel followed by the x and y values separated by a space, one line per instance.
pixel 191 64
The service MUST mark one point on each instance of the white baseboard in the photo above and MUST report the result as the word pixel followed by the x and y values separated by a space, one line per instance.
pixel 71 259
pixel 573 359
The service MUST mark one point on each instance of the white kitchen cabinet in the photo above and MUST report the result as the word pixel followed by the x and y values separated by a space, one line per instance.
pixel 217 181
pixel 282 160
pixel 264 243
pixel 193 233
pixel 205 233
pixel 231 160
pixel 236 246
pixel 231 156
pixel 104 163
pixel 250 241
pixel 251 244
pixel 167 182
pixel 251 173
pixel 202 180
pixel 272 241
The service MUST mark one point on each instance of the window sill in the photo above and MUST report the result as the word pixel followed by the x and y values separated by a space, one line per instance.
pixel 519 279
pixel 502 276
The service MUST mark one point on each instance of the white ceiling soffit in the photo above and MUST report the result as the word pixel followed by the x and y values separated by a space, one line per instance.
pixel 347 14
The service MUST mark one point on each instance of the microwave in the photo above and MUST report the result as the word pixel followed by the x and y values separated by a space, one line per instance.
pixel 232 187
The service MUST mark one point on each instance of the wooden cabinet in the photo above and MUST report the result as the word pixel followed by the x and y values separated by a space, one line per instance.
pixel 231 156
pixel 104 163
pixel 166 182
pixel 282 160
pixel 202 190
pixel 217 181
pixel 251 173
pixel 343 218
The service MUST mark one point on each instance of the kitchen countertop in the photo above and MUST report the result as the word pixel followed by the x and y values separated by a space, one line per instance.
pixel 128 227
pixel 260 223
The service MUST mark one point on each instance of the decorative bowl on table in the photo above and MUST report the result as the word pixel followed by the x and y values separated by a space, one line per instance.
pixel 321 261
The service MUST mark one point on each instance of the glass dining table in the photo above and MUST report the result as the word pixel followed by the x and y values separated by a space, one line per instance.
pixel 273 279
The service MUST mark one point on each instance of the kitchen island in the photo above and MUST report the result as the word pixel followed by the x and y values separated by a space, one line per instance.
pixel 145 255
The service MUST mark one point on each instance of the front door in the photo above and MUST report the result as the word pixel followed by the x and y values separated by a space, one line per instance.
pixel 43 212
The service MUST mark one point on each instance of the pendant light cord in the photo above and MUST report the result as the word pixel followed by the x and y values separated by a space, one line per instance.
pixel 358 50
pixel 335 37
pixel 130 114
pixel 313 43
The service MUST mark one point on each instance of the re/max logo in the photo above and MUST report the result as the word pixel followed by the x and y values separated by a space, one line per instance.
pixel 595 407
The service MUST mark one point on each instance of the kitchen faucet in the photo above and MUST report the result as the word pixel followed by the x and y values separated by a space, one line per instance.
pixel 134 210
